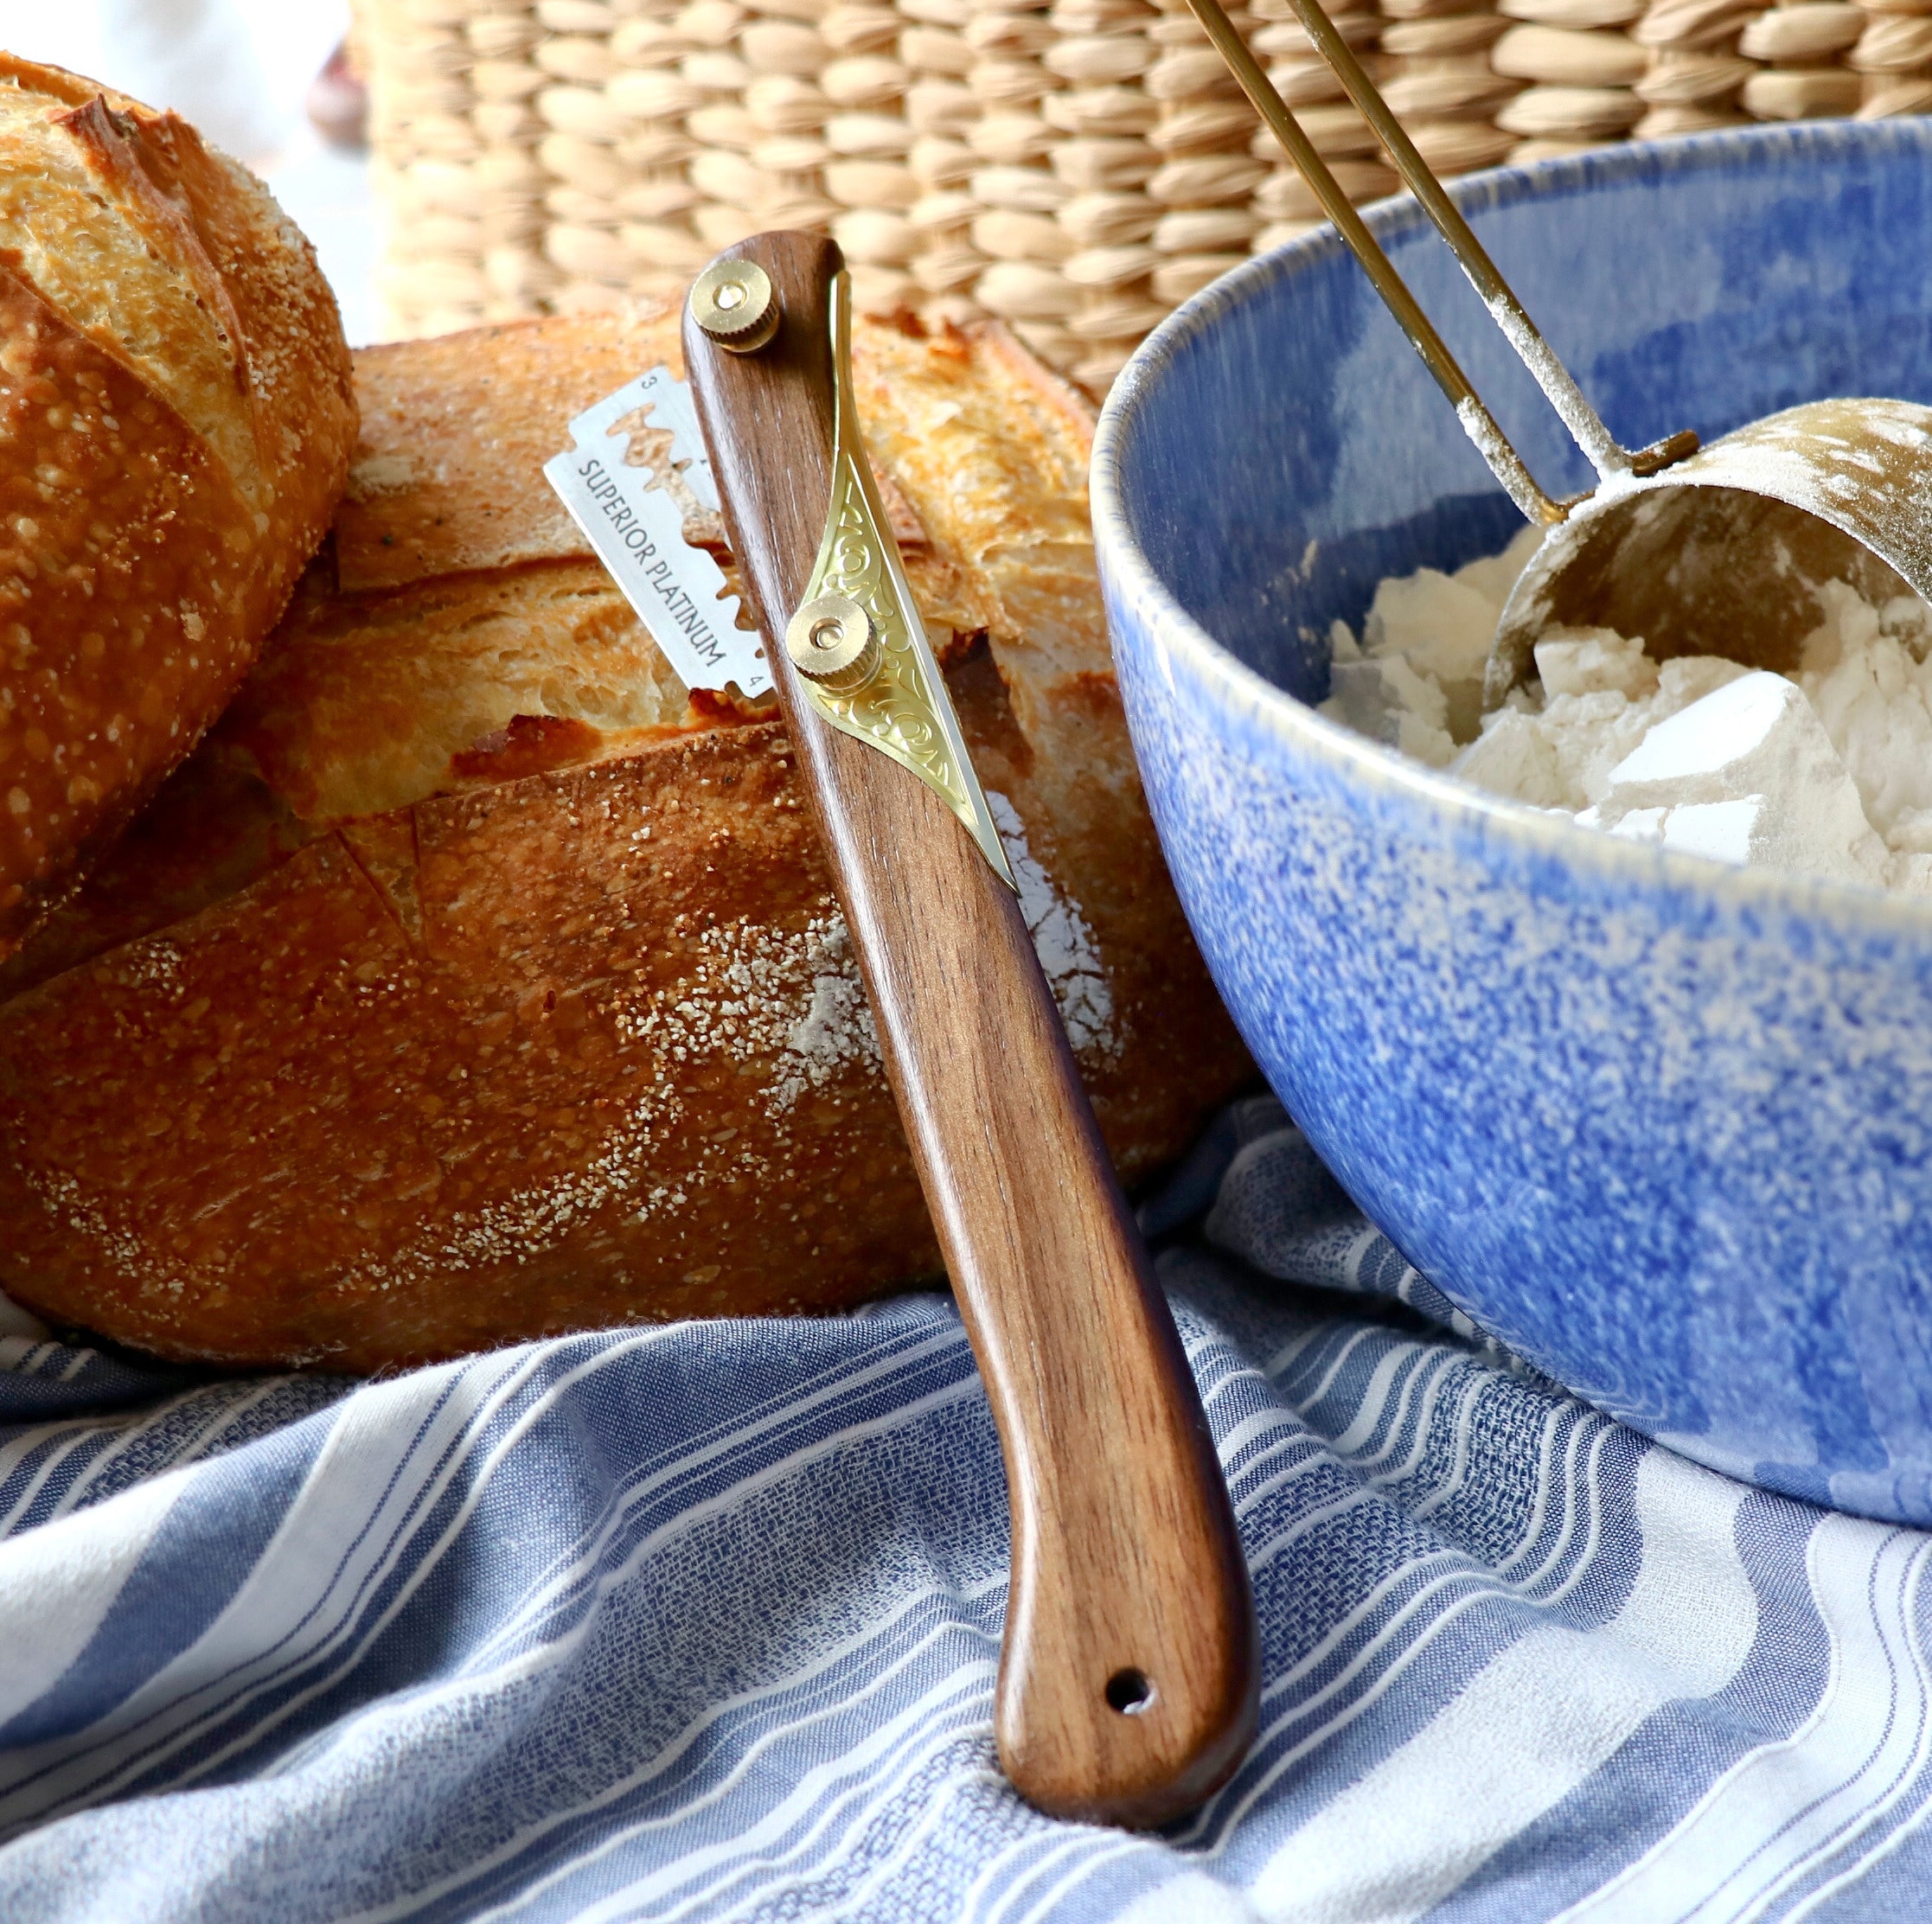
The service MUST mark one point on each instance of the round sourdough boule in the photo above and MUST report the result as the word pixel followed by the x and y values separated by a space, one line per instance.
pixel 176 415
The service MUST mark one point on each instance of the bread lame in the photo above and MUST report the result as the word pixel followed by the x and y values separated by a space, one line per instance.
pixel 1129 1677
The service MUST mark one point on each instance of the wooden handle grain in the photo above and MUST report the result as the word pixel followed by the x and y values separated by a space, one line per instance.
pixel 1129 1678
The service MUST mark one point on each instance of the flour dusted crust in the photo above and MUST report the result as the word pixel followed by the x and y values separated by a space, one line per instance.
pixel 474 981
pixel 176 418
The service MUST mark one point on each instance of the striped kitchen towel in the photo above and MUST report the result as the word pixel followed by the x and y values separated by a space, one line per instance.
pixel 701 1622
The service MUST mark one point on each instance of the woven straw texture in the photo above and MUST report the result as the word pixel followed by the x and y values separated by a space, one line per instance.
pixel 1076 168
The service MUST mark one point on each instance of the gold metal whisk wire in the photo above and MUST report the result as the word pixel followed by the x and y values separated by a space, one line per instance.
pixel 1572 408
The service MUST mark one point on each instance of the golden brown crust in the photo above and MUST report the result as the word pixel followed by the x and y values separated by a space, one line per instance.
pixel 448 473
pixel 569 1034
pixel 119 637
pixel 361 704
pixel 214 827
pixel 292 1127
pixel 175 394
pixel 573 1050
pixel 447 476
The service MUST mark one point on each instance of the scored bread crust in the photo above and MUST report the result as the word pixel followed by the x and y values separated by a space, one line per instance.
pixel 438 415
pixel 501 990
pixel 178 412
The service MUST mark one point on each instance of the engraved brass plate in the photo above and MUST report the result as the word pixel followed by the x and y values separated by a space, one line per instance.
pixel 903 710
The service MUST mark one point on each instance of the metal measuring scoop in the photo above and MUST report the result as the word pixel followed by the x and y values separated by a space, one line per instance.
pixel 1701 551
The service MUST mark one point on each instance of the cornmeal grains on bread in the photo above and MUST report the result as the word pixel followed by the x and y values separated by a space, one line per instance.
pixel 474 980
pixel 176 413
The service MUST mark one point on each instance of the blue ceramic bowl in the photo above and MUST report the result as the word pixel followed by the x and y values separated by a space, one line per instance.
pixel 1664 1126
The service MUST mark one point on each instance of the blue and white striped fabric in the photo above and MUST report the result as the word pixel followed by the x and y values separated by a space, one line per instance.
pixel 701 1622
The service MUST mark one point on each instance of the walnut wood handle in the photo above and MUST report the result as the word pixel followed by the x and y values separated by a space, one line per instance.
pixel 1128 1679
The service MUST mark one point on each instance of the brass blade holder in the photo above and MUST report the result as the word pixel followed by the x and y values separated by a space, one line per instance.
pixel 856 640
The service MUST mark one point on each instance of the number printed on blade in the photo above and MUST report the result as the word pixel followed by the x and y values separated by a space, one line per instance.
pixel 639 485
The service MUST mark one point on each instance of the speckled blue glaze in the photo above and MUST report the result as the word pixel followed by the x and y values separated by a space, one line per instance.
pixel 1664 1126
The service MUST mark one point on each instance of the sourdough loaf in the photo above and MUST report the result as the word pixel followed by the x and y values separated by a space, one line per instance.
pixel 175 420
pixel 474 980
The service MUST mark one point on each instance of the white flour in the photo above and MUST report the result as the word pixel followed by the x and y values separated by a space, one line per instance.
pixel 1829 773
pixel 1063 941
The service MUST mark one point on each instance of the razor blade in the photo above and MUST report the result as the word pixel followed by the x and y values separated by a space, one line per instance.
pixel 637 481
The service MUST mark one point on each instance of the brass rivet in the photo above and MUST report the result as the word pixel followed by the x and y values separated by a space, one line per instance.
pixel 831 641
pixel 735 303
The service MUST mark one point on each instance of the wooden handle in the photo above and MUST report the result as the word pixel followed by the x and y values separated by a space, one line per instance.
pixel 1128 1679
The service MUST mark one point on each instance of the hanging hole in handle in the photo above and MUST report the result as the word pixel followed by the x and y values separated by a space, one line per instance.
pixel 1129 1692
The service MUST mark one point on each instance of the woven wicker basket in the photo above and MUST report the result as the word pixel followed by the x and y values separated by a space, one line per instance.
pixel 1077 168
